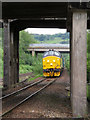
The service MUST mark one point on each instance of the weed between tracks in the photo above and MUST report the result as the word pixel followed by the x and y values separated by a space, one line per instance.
pixel 33 78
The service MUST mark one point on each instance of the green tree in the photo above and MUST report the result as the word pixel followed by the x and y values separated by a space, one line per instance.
pixel 26 61
pixel 25 40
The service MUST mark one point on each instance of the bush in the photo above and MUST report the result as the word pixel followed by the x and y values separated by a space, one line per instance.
pixel 37 65
pixel 25 68
pixel 26 61
pixel 33 64
pixel 67 61
pixel 37 69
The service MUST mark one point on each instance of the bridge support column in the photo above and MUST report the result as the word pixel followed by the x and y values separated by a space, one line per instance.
pixel 33 53
pixel 16 57
pixel 70 65
pixel 7 61
pixel 11 75
pixel 78 64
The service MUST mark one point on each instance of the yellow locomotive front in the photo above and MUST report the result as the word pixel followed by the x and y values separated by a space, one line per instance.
pixel 52 63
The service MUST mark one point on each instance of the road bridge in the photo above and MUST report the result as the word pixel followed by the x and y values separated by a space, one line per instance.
pixel 73 16
pixel 40 48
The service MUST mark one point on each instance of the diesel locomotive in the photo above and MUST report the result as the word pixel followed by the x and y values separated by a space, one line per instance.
pixel 53 63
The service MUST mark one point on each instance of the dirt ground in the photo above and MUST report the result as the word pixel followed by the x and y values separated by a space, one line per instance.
pixel 21 77
pixel 20 84
pixel 52 102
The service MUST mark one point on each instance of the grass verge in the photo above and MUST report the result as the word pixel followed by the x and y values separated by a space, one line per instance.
pixel 36 76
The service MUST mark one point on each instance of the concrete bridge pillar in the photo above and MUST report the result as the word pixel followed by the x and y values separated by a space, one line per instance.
pixel 11 63
pixel 33 53
pixel 78 63
pixel 16 56
pixel 70 64
pixel 7 62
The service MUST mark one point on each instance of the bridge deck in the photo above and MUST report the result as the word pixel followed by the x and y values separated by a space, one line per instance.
pixel 45 47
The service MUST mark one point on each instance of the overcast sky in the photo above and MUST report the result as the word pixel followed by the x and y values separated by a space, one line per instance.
pixel 50 31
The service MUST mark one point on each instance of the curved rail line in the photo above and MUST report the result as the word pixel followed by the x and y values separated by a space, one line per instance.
pixel 36 92
pixel 24 88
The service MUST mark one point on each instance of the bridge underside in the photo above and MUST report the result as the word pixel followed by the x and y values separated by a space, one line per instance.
pixel 44 50
pixel 40 48
pixel 75 17
pixel 42 15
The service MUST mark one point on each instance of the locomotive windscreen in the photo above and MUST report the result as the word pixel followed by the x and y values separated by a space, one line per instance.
pixel 52 53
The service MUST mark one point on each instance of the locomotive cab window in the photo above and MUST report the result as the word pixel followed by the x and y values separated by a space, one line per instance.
pixel 52 53
pixel 57 54
pixel 45 54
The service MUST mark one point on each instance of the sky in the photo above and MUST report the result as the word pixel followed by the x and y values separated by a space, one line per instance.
pixel 50 31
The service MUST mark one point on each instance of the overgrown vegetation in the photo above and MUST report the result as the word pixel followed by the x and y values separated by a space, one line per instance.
pixel 27 63
pixel 67 62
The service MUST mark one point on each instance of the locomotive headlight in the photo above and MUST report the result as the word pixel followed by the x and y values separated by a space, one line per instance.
pixel 51 64
pixel 53 60
pixel 43 60
pixel 47 60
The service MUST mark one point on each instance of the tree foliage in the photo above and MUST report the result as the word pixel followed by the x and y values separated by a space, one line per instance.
pixel 26 61
pixel 24 40
pixel 44 38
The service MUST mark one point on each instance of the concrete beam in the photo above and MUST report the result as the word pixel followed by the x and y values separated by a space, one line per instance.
pixel 23 24
pixel 64 48
pixel 78 64
pixel 33 10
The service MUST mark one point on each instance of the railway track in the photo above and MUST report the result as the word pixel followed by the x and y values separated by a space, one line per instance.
pixel 17 94
pixel 20 90
pixel 26 76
